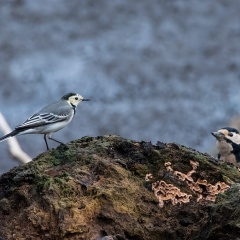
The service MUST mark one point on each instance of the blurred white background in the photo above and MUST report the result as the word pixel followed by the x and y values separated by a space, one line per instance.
pixel 155 70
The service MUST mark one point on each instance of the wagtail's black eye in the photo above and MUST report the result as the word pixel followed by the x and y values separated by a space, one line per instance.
pixel 76 98
pixel 230 134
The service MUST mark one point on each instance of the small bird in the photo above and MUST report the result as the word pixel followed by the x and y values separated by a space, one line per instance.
pixel 228 143
pixel 50 119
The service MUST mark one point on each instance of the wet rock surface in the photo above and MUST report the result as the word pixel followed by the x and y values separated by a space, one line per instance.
pixel 97 189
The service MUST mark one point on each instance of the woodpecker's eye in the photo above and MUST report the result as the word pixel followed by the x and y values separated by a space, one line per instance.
pixel 230 134
pixel 76 98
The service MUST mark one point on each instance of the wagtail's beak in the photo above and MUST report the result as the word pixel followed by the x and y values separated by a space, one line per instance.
pixel 86 99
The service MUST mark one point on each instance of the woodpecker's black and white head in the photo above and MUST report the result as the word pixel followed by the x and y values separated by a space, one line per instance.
pixel 228 143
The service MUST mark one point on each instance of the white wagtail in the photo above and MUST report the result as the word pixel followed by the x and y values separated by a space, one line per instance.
pixel 50 119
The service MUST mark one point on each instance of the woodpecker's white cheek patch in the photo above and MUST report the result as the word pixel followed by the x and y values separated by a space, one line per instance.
pixel 235 138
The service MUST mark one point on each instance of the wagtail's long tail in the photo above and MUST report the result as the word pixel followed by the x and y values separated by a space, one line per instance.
pixel 11 134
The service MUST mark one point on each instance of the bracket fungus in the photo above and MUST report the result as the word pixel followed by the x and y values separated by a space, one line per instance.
pixel 164 191
pixel 168 166
pixel 201 188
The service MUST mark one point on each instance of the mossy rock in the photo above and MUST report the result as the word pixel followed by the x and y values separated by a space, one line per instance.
pixel 96 189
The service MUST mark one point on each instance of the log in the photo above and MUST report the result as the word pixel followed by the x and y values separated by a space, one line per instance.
pixel 13 146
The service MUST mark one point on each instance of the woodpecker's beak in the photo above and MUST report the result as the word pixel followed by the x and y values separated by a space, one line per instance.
pixel 218 135
pixel 86 99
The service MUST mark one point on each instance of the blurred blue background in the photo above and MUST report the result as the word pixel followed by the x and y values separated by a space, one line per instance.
pixel 155 70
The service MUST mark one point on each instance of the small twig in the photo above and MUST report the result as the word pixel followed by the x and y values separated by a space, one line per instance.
pixel 14 147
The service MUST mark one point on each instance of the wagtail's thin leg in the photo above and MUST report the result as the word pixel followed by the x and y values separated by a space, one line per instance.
pixel 46 141
pixel 57 141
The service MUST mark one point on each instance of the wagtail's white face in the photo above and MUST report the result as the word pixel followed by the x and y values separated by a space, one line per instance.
pixel 74 98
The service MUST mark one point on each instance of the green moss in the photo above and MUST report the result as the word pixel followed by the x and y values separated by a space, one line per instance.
pixel 5 206
pixel 141 170
pixel 58 185
pixel 60 157
pixel 230 172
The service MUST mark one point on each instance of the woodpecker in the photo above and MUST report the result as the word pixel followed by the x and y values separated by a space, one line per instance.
pixel 228 143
